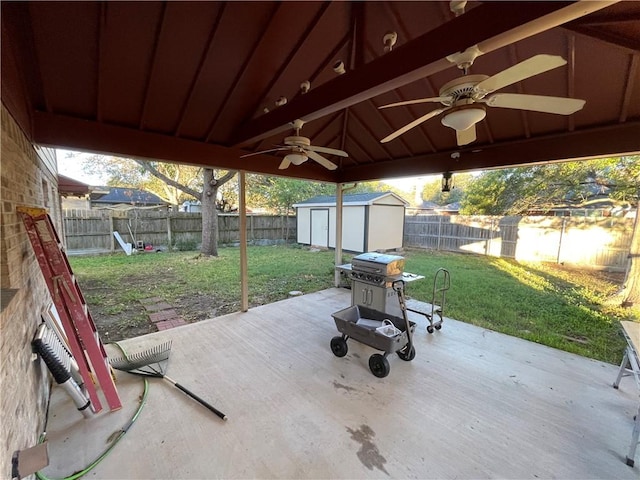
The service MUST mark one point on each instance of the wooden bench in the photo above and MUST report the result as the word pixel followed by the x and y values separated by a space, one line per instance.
pixel 630 366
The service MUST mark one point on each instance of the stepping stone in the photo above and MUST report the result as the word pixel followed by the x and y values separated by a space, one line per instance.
pixel 172 323
pixel 163 315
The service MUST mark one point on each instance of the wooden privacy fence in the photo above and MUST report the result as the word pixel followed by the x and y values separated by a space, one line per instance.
pixel 91 230
pixel 596 242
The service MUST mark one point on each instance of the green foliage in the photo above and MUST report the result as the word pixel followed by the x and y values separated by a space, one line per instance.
pixel 486 195
pixel 432 191
pixel 279 194
pixel 186 245
pixel 514 191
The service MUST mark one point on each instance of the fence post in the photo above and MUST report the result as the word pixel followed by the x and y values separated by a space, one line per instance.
pixel 439 231
pixel 112 243
pixel 169 233
pixel 488 251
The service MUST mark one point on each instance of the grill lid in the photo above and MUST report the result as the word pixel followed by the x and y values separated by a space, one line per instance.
pixel 379 263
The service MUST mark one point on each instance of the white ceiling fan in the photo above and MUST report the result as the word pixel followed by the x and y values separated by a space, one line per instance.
pixel 464 99
pixel 301 150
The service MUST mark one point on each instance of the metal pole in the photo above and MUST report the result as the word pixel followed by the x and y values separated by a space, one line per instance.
pixel 564 219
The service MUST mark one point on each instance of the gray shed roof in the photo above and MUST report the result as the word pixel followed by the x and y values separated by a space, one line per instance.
pixel 354 199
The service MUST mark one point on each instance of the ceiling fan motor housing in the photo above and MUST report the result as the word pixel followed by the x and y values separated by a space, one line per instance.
pixel 296 141
pixel 462 87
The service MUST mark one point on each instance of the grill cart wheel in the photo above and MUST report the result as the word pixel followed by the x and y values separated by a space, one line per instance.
pixel 407 356
pixel 430 329
pixel 379 365
pixel 438 327
pixel 339 346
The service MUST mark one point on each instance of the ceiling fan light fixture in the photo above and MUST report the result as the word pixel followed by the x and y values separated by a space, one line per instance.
pixel 297 158
pixel 464 118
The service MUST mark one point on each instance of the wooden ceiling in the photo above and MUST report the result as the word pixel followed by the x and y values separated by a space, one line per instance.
pixel 189 82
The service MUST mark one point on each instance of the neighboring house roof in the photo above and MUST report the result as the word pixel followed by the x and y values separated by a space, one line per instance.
pixel 427 205
pixel 128 196
pixel 355 199
pixel 69 186
pixel 451 207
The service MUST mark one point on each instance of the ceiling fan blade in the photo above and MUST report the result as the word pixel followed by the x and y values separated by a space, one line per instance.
pixel 536 103
pixel 467 136
pixel 285 163
pixel 264 151
pixel 321 160
pixel 520 71
pixel 330 151
pixel 415 123
pixel 417 101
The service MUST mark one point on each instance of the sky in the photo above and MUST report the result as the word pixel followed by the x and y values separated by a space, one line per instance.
pixel 72 167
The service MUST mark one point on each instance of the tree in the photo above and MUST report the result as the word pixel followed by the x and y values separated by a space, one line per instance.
pixel 279 194
pixel 171 182
pixel 432 190
pixel 208 199
pixel 631 287
pixel 125 172
pixel 517 190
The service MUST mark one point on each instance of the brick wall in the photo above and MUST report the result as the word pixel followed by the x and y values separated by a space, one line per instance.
pixel 25 179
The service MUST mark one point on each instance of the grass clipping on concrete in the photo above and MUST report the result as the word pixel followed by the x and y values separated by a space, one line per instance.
pixel 544 303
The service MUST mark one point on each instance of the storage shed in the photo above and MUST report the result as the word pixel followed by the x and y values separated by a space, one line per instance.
pixel 370 221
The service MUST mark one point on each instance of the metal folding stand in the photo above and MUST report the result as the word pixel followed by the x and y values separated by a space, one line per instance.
pixel 441 284
pixel 630 366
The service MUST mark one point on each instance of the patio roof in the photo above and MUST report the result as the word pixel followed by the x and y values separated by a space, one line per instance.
pixel 189 82
pixel 69 186
pixel 472 404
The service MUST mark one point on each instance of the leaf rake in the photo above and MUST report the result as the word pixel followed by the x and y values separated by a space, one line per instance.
pixel 153 363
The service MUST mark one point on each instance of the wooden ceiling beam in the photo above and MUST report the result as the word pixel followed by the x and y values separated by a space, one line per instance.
pixel 75 134
pixel 153 66
pixel 623 139
pixel 490 26
pixel 631 44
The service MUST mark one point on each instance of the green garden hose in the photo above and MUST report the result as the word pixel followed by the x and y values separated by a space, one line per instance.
pixel 119 434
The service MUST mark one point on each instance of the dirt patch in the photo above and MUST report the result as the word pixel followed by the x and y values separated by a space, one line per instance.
pixel 194 308
pixel 117 318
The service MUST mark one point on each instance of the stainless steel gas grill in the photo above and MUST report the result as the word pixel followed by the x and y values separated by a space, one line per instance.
pixel 372 276
pixel 378 315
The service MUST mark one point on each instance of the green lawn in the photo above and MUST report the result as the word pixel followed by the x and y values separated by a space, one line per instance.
pixel 543 303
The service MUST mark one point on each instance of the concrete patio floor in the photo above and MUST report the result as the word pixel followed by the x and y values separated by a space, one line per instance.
pixel 472 404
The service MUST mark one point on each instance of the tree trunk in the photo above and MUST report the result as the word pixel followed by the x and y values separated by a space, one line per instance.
pixel 209 214
pixel 631 290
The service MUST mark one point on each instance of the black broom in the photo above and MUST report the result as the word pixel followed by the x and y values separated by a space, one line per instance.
pixel 152 363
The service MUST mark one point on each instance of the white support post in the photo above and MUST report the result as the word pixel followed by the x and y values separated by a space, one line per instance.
pixel 244 277
pixel 338 257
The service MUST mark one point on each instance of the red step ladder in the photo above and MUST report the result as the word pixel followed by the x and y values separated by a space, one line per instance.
pixel 81 332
